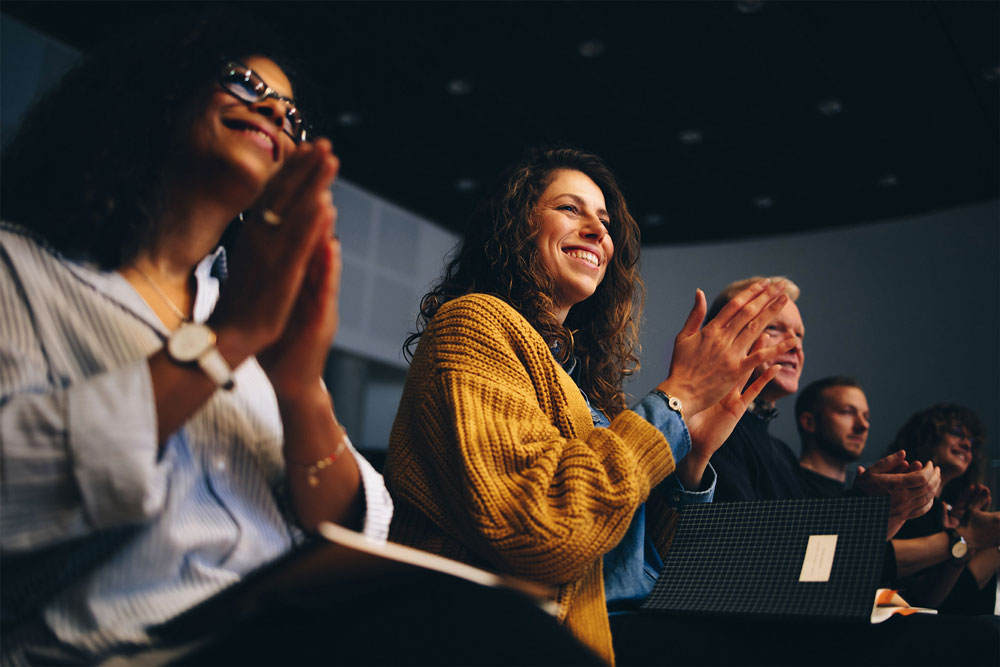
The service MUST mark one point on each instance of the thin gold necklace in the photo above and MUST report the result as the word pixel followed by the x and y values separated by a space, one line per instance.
pixel 166 299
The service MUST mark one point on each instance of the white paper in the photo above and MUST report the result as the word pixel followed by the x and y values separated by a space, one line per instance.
pixel 818 561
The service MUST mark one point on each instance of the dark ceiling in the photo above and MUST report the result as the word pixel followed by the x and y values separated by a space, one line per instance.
pixel 722 119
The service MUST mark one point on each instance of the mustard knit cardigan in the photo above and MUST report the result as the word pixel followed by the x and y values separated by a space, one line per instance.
pixel 494 461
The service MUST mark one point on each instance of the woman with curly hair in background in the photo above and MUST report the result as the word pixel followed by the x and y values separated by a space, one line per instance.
pixel 965 582
pixel 513 448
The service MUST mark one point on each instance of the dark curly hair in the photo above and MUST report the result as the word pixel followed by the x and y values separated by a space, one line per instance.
pixel 85 170
pixel 922 433
pixel 498 255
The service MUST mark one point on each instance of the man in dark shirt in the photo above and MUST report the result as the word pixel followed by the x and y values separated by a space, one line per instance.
pixel 755 465
pixel 832 417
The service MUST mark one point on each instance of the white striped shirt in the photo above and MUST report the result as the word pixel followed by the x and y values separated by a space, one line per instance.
pixel 102 536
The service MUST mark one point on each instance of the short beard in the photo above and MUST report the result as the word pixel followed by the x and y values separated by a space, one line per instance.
pixel 835 450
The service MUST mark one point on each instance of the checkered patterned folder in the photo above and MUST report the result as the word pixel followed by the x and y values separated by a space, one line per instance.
pixel 745 559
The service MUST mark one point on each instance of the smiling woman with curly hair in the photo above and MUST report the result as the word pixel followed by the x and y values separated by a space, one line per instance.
pixel 513 448
pixel 500 256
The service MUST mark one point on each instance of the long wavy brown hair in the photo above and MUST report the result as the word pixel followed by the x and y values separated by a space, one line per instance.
pixel 922 433
pixel 498 255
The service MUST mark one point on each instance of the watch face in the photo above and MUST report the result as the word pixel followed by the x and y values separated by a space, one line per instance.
pixel 190 342
pixel 959 549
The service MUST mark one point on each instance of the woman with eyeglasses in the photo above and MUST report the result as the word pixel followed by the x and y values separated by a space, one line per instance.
pixel 963 577
pixel 513 448
pixel 162 436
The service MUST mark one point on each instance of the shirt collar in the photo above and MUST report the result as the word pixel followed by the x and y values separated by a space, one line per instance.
pixel 570 365
pixel 219 264
pixel 763 410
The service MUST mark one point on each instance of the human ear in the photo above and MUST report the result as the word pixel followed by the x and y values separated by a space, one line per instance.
pixel 808 422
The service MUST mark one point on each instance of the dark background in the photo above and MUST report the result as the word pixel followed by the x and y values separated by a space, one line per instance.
pixel 723 119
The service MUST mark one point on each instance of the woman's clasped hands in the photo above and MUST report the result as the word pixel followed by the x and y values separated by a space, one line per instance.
pixel 281 300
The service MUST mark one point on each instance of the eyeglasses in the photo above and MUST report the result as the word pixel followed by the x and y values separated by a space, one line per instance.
pixel 243 83
pixel 959 432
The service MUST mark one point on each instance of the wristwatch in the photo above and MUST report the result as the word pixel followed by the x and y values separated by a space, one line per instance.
pixel 673 402
pixel 959 549
pixel 195 344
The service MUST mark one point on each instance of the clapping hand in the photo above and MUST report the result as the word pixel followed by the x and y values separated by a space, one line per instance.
pixel 974 496
pixel 710 427
pixel 980 527
pixel 711 366
pixel 911 487
pixel 709 362
pixel 284 243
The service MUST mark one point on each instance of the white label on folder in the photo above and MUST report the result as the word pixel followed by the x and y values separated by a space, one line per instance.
pixel 818 561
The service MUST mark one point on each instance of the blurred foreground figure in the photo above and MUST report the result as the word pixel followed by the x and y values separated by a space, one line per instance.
pixel 164 424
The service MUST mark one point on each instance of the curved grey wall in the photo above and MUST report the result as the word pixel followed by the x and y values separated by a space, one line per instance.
pixel 910 308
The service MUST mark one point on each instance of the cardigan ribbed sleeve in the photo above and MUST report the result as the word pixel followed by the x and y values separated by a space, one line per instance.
pixel 494 444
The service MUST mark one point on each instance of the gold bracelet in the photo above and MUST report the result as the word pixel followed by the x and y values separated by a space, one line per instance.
pixel 313 469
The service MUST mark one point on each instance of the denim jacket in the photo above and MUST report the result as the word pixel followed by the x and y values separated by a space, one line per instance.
pixel 631 568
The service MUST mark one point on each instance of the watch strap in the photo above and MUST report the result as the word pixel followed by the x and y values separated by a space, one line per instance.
pixel 673 402
pixel 193 343
pixel 214 365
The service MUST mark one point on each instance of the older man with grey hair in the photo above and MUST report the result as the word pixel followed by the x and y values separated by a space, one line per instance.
pixel 753 464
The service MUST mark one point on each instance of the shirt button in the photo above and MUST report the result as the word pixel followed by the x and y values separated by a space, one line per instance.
pixel 676 497
pixel 220 464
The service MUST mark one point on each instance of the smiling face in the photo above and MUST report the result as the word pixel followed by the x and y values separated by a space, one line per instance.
pixel 242 143
pixel 954 452
pixel 840 425
pixel 573 241
pixel 787 324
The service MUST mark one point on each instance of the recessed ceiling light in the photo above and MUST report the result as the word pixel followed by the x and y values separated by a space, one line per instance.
pixel 689 137
pixel 992 73
pixel 830 107
pixel 348 119
pixel 763 201
pixel 459 87
pixel 465 185
pixel 592 48
pixel 749 6
pixel 653 219
pixel 888 180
